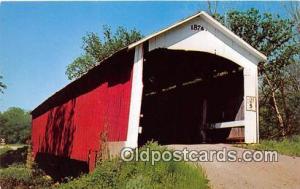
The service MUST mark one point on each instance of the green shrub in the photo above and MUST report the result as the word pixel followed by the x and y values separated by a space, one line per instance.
pixel 18 176
pixel 115 174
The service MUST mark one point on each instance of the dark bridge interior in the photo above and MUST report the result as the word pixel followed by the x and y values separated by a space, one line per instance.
pixel 184 92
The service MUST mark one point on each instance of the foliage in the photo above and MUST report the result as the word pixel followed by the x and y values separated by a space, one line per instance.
pixel 279 91
pixel 95 51
pixel 294 10
pixel 289 146
pixel 80 66
pixel 18 176
pixel 15 125
pixel 119 174
pixel 2 85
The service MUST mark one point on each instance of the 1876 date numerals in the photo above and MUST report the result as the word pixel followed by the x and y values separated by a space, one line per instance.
pixel 197 27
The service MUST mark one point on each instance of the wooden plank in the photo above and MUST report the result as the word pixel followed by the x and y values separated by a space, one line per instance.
pixel 229 124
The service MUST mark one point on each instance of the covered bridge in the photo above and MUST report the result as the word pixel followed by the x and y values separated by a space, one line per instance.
pixel 192 82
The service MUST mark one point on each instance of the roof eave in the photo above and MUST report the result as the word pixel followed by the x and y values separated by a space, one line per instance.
pixel 163 30
pixel 233 36
pixel 261 57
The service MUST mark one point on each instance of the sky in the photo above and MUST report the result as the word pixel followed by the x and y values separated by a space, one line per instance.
pixel 39 39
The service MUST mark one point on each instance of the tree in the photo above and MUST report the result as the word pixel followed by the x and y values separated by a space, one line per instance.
pixel 212 7
pixel 15 125
pixel 2 85
pixel 95 51
pixel 293 9
pixel 274 37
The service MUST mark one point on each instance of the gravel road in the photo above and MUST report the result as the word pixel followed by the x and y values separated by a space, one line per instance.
pixel 285 173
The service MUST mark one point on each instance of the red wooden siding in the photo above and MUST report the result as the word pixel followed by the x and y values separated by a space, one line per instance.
pixel 69 123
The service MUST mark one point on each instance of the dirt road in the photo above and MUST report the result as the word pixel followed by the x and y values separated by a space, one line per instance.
pixel 282 174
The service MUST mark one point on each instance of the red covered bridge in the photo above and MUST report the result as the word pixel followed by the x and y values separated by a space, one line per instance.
pixel 192 82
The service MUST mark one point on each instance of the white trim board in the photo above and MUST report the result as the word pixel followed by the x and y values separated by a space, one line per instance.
pixel 228 124
pixel 136 99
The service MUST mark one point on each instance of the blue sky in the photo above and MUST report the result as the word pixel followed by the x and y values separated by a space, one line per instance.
pixel 39 39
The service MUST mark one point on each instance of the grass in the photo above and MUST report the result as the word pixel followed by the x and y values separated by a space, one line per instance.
pixel 13 172
pixel 18 176
pixel 112 174
pixel 115 174
pixel 4 150
pixel 7 147
pixel 289 146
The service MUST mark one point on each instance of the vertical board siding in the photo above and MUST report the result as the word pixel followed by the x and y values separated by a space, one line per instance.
pixel 69 123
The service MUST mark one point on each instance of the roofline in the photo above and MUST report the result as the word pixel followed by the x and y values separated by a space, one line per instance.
pixel 233 36
pixel 215 23
pixel 79 78
pixel 163 30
